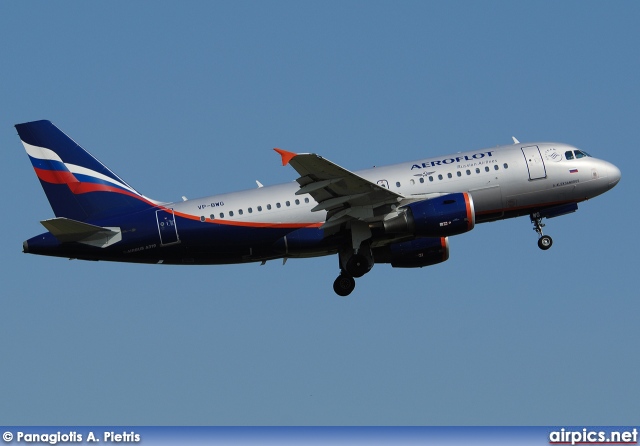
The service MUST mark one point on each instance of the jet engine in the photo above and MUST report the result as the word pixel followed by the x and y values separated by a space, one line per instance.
pixel 442 216
pixel 415 253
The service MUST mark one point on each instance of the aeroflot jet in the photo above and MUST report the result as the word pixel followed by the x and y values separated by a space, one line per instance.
pixel 401 214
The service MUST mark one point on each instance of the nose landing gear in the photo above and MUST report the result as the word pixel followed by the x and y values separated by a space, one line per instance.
pixel 545 241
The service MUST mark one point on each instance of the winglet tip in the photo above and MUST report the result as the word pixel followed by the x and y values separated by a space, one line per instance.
pixel 286 156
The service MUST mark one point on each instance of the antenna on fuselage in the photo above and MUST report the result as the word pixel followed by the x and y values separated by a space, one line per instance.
pixel 515 141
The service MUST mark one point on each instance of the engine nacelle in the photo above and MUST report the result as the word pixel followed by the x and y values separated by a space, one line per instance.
pixel 443 216
pixel 415 253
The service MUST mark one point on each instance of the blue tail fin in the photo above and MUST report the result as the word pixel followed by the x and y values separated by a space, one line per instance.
pixel 77 185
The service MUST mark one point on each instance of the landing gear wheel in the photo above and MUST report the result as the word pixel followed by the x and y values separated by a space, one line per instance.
pixel 545 242
pixel 358 265
pixel 344 285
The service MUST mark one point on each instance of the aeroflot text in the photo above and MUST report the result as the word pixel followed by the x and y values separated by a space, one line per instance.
pixel 444 162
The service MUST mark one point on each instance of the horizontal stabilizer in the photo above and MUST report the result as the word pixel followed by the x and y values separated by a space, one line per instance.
pixel 67 230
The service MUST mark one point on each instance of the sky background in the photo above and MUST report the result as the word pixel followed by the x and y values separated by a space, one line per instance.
pixel 189 98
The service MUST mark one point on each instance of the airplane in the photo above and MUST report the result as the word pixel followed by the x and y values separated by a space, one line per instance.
pixel 401 214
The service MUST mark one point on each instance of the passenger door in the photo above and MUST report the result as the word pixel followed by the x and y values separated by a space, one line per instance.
pixel 535 164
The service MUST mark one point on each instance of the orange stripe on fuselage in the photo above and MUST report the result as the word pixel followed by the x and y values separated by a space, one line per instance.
pixel 531 206
pixel 248 224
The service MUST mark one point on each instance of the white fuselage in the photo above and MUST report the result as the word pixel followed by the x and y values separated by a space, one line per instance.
pixel 501 180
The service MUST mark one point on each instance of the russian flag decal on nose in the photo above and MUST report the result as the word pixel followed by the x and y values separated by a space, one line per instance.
pixel 573 171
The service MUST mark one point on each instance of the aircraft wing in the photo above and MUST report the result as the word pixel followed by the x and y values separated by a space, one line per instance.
pixel 343 194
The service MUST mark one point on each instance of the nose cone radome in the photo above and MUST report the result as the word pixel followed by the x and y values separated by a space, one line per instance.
pixel 614 176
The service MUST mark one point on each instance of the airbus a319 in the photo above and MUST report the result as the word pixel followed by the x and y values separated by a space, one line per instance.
pixel 401 214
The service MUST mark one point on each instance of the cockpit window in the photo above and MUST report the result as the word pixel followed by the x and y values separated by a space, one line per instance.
pixel 575 153
pixel 583 152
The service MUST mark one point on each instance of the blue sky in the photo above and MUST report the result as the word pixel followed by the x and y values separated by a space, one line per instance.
pixel 189 98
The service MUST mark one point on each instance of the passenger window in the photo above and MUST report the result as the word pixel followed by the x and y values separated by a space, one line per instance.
pixel 459 173
pixel 212 216
pixel 278 205
pixel 297 201
pixel 477 170
pixel 568 155
pixel 496 167
pixel 397 183
pixel 259 208
pixel 430 178
pixel 240 212
pixel 449 175
pixel 221 214
pixel 505 165
pixel 268 207
pixel 306 200
pixel 288 203
pixel 468 172
pixel 250 210
pixel 439 177
pixel 486 168
pixel 202 218
pixel 230 213
pixel 422 179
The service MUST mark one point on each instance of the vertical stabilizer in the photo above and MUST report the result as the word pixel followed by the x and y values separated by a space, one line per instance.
pixel 77 185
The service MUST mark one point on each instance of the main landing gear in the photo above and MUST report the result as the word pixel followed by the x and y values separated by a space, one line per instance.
pixel 344 284
pixel 544 242
pixel 352 265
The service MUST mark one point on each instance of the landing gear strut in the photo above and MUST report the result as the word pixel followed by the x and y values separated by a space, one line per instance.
pixel 355 258
pixel 544 242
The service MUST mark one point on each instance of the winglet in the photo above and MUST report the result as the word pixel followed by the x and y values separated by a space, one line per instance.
pixel 286 156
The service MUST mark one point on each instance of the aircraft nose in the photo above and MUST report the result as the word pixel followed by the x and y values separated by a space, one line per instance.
pixel 614 175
